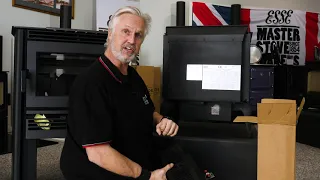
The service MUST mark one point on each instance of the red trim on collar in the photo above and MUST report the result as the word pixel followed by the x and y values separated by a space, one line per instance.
pixel 107 68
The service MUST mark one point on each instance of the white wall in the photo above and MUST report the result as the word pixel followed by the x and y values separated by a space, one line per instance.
pixel 13 16
pixel 105 8
pixel 84 15
pixel 164 14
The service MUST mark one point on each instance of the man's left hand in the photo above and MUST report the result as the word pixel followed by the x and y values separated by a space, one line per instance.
pixel 167 127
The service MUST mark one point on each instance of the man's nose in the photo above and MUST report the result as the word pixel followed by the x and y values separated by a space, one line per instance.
pixel 131 38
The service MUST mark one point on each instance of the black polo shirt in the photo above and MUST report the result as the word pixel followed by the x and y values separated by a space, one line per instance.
pixel 106 106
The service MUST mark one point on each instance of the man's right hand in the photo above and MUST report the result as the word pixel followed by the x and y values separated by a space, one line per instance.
pixel 160 174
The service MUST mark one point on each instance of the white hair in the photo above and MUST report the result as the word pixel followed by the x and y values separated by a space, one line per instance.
pixel 130 10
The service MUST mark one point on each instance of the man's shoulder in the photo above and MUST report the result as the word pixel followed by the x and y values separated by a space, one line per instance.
pixel 135 73
pixel 93 74
pixel 91 77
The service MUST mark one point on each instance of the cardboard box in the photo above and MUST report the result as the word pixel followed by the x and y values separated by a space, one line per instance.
pixel 152 78
pixel 313 78
pixel 276 121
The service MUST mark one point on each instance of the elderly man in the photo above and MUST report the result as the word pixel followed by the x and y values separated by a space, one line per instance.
pixel 111 116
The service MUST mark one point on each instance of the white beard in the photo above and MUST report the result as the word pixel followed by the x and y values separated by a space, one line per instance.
pixel 119 56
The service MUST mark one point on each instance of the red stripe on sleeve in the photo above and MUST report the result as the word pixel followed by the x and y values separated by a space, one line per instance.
pixel 96 144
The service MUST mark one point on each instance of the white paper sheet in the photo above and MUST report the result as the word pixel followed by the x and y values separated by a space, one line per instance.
pixel 221 77
pixel 194 72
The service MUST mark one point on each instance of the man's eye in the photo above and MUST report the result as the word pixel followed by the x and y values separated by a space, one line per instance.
pixel 126 31
pixel 138 35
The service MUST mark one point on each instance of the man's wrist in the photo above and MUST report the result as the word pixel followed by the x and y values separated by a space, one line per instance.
pixel 157 117
pixel 167 117
pixel 144 175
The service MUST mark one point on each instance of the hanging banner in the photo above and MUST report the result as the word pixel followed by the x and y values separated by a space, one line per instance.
pixel 293 32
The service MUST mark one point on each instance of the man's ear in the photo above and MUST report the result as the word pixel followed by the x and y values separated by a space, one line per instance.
pixel 109 34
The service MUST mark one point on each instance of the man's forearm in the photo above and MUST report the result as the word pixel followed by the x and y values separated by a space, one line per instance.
pixel 110 159
pixel 156 117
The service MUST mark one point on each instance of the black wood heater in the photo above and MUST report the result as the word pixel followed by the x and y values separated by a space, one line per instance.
pixel 46 61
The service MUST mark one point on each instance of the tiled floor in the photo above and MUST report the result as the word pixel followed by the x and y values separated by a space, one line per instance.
pixel 47 163
pixel 308 163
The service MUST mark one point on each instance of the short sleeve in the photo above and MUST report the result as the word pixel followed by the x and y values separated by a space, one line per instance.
pixel 146 91
pixel 149 97
pixel 98 123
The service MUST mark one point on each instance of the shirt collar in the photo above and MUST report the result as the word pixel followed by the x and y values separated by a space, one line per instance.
pixel 113 70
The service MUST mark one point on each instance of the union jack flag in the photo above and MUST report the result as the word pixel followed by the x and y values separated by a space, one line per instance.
pixel 295 32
